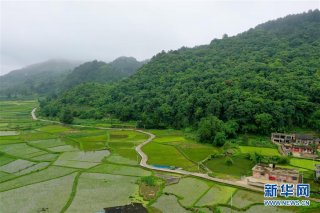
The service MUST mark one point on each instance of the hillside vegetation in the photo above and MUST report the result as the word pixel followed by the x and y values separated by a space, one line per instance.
pixel 98 71
pixel 262 80
pixel 54 76
pixel 41 78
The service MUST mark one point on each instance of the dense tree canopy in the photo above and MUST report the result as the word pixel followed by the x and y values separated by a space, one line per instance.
pixel 262 80
pixel 99 71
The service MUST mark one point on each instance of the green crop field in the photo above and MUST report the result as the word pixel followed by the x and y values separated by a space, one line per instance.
pixel 166 203
pixel 303 163
pixel 240 167
pixel 161 154
pixel 54 129
pixel 38 196
pixel 197 152
pixel 120 170
pixel 244 198
pixel 259 150
pixel 217 194
pixel 77 169
pixel 47 143
pixel 189 190
pixel 97 191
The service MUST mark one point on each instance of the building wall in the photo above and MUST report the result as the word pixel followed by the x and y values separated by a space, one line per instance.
pixel 275 177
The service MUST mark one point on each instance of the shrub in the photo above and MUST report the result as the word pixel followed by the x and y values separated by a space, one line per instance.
pixel 229 161
pixel 66 116
pixel 283 160
pixel 148 180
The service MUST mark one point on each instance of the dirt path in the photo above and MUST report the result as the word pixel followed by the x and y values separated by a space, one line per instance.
pixel 144 160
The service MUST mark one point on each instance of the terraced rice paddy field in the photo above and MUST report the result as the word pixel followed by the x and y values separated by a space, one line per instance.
pixel 46 167
pixel 89 169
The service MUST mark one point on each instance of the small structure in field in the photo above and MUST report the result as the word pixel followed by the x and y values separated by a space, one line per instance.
pixel 262 174
pixel 317 170
pixel 300 145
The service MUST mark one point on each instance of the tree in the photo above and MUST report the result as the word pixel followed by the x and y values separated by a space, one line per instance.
pixel 259 79
pixel 219 139
pixel 231 127
pixel 264 122
pixel 66 116
pixel 208 129
pixel 315 120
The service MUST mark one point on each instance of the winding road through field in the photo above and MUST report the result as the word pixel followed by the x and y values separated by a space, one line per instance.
pixel 144 159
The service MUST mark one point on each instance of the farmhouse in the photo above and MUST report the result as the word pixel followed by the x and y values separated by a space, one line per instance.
pixel 268 173
pixel 282 138
pixel 297 144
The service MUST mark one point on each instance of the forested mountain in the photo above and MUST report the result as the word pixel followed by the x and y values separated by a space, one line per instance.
pixel 98 71
pixel 41 78
pixel 54 76
pixel 262 80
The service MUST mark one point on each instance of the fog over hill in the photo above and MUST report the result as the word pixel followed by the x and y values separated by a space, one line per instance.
pixel 53 76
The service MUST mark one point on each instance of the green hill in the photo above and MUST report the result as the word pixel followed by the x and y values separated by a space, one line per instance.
pixel 41 78
pixel 54 76
pixel 264 79
pixel 98 71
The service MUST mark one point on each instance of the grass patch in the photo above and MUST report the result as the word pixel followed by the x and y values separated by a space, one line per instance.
pixel 167 155
pixel 303 163
pixel 54 129
pixel 259 150
pixel 240 167
pixel 120 170
pixel 35 135
pixel 10 139
pixel 127 153
pixel 121 160
pixel 127 136
pixel 4 159
pixel 197 152
pixel 95 138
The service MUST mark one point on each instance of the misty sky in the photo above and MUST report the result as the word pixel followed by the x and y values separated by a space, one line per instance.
pixel 36 31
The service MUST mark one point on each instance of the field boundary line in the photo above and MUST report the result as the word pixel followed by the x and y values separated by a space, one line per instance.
pixel 73 192
pixel 202 195
pixel 36 182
